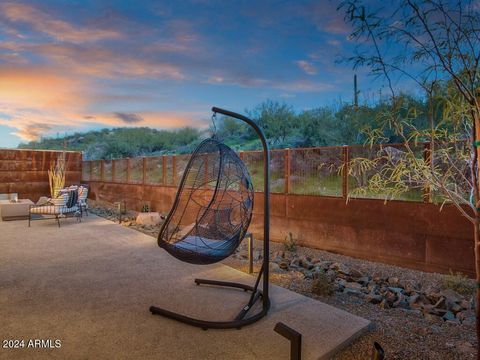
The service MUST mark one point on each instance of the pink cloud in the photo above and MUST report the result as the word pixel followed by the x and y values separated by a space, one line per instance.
pixel 100 61
pixel 55 28
pixel 307 67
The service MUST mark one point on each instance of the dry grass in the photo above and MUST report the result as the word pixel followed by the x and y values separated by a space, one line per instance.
pixel 458 282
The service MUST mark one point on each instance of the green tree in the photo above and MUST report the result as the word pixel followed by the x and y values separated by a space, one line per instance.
pixel 439 52
pixel 276 119
pixel 317 127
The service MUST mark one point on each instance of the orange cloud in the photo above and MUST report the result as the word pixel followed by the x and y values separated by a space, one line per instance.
pixel 39 101
pixel 57 29
pixel 39 88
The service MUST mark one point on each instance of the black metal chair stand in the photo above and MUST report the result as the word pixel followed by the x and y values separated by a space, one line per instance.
pixel 220 224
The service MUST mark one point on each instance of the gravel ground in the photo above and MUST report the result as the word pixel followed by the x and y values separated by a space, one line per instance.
pixel 402 334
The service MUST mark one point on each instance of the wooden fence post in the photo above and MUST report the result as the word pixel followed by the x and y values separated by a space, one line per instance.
pixel 102 171
pixel 144 179
pixel 346 160
pixel 174 169
pixel 164 170
pixel 113 170
pixel 128 170
pixel 427 157
pixel 287 171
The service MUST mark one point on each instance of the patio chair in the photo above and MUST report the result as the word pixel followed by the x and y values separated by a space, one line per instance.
pixel 82 199
pixel 210 217
pixel 66 204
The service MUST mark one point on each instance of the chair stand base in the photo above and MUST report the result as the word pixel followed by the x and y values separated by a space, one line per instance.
pixel 239 320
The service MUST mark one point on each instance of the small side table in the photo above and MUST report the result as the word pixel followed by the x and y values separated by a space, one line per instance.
pixel 15 211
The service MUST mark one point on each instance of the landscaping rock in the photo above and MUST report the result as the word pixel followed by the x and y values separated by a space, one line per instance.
pixel 341 268
pixel 396 290
pixel 307 274
pixel 465 304
pixel 440 304
pixel 364 280
pixel 454 307
pixel 374 298
pixel 431 317
pixel 448 316
pixel 354 273
pixel 465 347
pixel 148 218
pixel 410 286
pixel 393 280
pixel 325 264
pixel 401 302
pixel 434 297
pixel 451 296
pixel 469 321
pixel 384 304
pixel 353 292
pixel 305 263
pixel 353 285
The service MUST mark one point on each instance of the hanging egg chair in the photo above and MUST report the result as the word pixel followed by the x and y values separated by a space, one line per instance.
pixel 212 209
pixel 210 217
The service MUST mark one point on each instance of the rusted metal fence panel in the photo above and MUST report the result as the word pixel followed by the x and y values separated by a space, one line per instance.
pixel 135 170
pixel 26 171
pixel 107 170
pixel 95 171
pixel 322 171
pixel 382 159
pixel 120 174
pixel 316 171
pixel 154 170
pixel 85 170
pixel 181 162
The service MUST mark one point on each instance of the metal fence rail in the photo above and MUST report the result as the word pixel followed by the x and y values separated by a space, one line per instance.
pixel 319 171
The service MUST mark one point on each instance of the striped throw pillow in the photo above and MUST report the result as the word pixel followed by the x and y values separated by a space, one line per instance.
pixel 60 200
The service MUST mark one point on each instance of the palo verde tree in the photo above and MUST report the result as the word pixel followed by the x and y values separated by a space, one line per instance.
pixel 437 49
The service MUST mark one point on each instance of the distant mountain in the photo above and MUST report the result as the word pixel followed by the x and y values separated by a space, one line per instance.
pixel 122 142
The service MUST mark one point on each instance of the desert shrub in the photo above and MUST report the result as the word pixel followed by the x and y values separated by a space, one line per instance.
pixel 322 285
pixel 290 243
pixel 458 282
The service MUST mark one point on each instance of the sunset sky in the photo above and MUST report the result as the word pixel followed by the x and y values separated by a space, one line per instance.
pixel 70 66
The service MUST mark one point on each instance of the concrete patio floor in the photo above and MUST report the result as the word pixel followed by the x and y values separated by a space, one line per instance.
pixel 90 285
